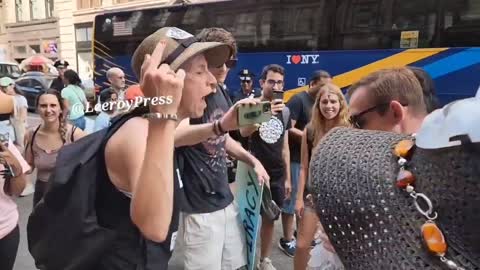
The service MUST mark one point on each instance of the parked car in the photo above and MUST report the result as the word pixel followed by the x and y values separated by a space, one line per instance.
pixel 9 69
pixel 32 84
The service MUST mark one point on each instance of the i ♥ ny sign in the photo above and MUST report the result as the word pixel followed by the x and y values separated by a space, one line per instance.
pixel 302 59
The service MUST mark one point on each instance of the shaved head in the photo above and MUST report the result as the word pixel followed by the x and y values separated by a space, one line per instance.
pixel 116 77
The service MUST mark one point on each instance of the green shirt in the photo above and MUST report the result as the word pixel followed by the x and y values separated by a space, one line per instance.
pixel 75 97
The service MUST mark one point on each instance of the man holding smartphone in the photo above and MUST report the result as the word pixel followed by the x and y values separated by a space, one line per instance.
pixel 213 237
pixel 269 143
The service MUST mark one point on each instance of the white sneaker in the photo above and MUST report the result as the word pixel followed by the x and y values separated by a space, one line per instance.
pixel 266 264
pixel 29 189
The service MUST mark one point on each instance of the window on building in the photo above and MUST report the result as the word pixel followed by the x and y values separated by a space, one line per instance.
pixel 123 1
pixel 37 9
pixel 19 10
pixel 20 49
pixel 83 34
pixel 49 8
pixel 84 4
pixel 83 44
pixel 35 48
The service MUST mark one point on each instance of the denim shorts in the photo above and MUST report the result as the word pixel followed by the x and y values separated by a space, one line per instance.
pixel 79 122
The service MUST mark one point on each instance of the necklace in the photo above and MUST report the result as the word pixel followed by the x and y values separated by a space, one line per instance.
pixel 431 233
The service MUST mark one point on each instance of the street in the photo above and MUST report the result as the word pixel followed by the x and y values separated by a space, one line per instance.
pixel 25 261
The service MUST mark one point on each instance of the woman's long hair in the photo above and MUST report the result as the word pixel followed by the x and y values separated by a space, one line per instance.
pixel 62 127
pixel 318 124
pixel 73 78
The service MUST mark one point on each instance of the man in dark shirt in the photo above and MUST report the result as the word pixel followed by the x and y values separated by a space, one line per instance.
pixel 57 83
pixel 269 143
pixel 213 233
pixel 246 86
pixel 300 107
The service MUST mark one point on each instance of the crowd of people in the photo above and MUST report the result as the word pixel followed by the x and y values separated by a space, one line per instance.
pixel 172 166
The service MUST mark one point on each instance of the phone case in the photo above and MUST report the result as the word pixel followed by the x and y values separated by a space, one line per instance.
pixel 248 115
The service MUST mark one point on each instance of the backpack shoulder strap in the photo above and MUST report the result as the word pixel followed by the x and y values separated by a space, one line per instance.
pixel 285 116
pixel 72 138
pixel 119 120
pixel 31 140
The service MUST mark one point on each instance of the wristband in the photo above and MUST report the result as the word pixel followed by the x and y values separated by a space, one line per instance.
pixel 216 130
pixel 220 127
pixel 161 116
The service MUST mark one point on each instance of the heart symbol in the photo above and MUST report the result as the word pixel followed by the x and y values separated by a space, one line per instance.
pixel 296 59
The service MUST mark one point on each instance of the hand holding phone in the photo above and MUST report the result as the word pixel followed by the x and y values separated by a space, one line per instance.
pixel 254 114
pixel 277 102
pixel 277 96
pixel 7 158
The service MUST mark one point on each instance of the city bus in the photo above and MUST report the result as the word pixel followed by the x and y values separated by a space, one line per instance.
pixel 347 38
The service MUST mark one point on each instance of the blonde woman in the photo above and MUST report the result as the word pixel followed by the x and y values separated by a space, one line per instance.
pixel 330 110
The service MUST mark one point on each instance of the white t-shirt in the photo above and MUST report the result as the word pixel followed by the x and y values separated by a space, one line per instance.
pixel 8 208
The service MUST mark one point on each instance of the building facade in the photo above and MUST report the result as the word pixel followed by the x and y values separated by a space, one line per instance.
pixel 58 28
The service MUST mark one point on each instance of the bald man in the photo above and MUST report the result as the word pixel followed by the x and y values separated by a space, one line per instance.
pixel 116 78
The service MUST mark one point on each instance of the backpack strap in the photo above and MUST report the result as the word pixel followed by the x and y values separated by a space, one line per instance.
pixel 118 121
pixel 72 138
pixel 285 116
pixel 31 139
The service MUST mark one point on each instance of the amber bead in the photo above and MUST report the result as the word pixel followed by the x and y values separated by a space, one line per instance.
pixel 405 178
pixel 403 148
pixel 433 238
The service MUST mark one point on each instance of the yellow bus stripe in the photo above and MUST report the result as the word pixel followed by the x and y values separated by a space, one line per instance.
pixel 102 51
pixel 397 60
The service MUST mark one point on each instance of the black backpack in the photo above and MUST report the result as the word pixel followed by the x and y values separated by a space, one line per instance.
pixel 63 230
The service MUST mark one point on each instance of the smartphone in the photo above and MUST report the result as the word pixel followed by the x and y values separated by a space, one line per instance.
pixel 253 114
pixel 4 138
pixel 278 95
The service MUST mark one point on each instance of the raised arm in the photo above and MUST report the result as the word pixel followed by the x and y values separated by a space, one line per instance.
pixel 187 134
pixel 144 166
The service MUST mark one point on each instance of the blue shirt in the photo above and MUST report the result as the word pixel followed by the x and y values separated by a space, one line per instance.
pixel 102 121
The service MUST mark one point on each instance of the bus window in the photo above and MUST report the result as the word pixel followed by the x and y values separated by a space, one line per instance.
pixel 461 24
pixel 379 24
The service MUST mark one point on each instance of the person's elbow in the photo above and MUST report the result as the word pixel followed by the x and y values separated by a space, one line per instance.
pixel 156 231
pixel 18 184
